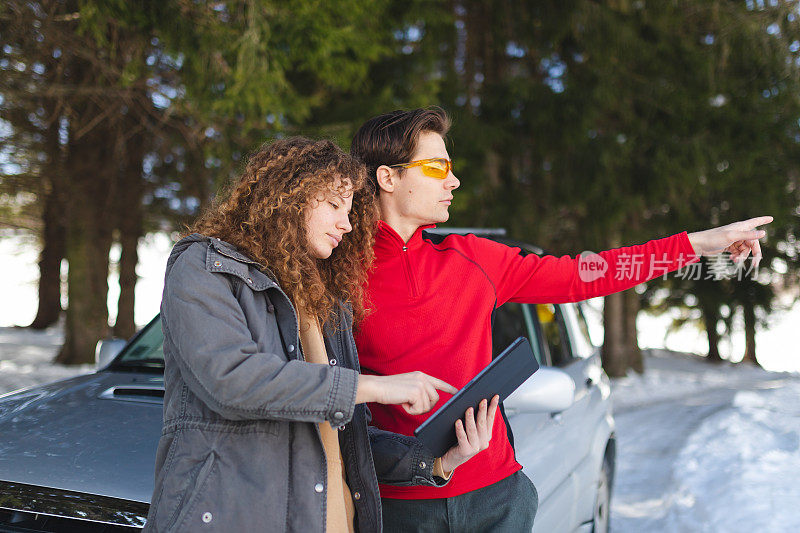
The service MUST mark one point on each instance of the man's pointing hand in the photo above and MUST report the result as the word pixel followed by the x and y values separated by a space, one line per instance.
pixel 739 238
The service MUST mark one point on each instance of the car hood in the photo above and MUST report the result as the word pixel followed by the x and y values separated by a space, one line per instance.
pixel 96 434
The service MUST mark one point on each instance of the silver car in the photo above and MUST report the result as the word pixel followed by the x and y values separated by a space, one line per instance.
pixel 78 454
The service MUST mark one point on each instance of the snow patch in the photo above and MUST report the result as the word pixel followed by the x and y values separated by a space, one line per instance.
pixel 26 358
pixel 738 471
pixel 671 376
pixel 707 448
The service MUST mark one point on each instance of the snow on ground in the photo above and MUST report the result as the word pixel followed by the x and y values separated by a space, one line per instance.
pixel 700 448
pixel 739 470
pixel 706 448
pixel 26 358
pixel 672 375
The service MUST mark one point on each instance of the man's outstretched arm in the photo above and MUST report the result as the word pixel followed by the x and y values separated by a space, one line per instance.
pixel 550 279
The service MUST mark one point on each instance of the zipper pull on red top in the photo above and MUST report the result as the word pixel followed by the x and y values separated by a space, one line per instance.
pixel 405 248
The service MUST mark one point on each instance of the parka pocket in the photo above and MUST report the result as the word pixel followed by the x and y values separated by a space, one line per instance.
pixel 194 494
pixel 159 505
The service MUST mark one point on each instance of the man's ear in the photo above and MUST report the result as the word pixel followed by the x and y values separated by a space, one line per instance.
pixel 386 178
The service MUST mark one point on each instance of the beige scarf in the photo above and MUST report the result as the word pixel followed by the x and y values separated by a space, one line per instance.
pixel 341 511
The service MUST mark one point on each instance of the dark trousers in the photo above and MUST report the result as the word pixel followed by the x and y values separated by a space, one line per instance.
pixel 508 505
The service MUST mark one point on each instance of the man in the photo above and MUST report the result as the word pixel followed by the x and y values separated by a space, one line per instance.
pixel 432 301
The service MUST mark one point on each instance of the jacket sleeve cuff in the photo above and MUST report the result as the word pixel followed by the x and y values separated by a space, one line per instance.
pixel 423 469
pixel 342 400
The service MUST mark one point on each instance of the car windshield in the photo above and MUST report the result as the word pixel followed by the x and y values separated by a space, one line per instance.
pixel 146 351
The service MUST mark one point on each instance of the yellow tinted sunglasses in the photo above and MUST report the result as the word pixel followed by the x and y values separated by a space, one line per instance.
pixel 437 167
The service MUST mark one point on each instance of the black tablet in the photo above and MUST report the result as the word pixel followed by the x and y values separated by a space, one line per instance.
pixel 502 376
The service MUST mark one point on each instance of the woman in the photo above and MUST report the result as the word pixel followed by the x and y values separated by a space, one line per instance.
pixel 264 423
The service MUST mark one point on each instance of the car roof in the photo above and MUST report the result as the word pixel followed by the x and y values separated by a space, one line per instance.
pixel 495 234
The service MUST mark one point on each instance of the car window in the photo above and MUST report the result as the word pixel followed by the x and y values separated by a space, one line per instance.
pixel 513 320
pixel 579 331
pixel 554 334
pixel 146 349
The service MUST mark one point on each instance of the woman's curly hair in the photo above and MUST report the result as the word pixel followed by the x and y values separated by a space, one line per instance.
pixel 263 215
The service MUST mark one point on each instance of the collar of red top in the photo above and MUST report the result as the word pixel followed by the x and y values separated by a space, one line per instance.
pixel 388 242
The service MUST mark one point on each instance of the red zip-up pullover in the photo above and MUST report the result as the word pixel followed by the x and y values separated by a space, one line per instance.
pixel 432 306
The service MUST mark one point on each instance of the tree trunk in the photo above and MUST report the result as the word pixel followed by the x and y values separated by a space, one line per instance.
pixel 711 319
pixel 53 234
pixel 125 326
pixel 129 210
pixel 750 334
pixel 614 354
pixel 91 178
pixel 631 306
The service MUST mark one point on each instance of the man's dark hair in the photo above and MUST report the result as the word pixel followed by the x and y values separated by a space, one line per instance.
pixel 392 138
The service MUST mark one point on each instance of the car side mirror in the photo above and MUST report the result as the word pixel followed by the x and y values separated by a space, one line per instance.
pixel 107 350
pixel 548 390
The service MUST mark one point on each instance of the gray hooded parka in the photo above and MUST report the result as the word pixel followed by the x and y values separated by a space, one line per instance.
pixel 240 449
